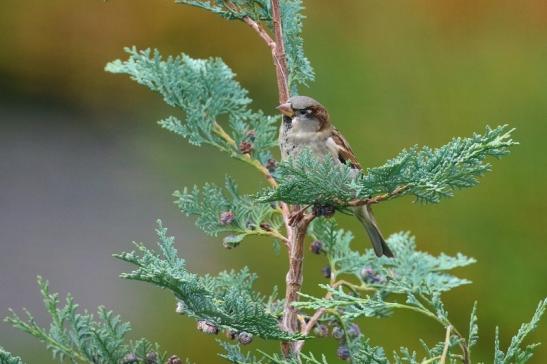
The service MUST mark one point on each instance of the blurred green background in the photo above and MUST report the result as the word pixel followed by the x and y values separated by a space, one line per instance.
pixel 85 170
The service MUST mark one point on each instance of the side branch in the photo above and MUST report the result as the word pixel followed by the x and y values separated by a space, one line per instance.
pixel 278 56
pixel 442 360
pixel 294 279
pixel 218 130
pixel 280 52
pixel 377 199
pixel 261 32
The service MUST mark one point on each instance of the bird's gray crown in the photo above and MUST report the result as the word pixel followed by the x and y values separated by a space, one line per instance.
pixel 302 102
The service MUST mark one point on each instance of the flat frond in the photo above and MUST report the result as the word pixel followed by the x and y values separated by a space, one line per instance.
pixel 9 358
pixel 411 271
pixel 224 301
pixel 208 94
pixel 300 69
pixel 427 174
pixel 80 336
pixel 473 327
pixel 516 353
pixel 224 210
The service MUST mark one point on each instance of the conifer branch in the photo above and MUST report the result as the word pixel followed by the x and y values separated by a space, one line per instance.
pixel 278 57
pixel 296 230
pixel 82 338
pixel 399 190
pixel 426 173
pixel 279 51
pixel 224 301
pixel 442 359
pixel 9 358
pixel 216 110
pixel 224 210
pixel 246 157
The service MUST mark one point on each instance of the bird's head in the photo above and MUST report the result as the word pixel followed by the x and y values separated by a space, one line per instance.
pixel 305 113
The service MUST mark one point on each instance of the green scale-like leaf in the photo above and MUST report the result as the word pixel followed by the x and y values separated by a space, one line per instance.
pixel 206 91
pixel 300 69
pixel 225 300
pixel 8 358
pixel 411 271
pixel 80 337
pixel 515 353
pixel 210 203
pixel 426 173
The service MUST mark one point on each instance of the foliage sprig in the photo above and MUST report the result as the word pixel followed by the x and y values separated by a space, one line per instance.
pixel 225 210
pixel 81 337
pixel 426 173
pixel 300 69
pixel 9 358
pixel 224 301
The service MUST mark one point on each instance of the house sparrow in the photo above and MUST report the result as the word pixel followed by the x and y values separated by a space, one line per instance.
pixel 306 125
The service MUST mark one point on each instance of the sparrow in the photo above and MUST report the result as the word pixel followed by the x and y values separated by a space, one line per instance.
pixel 306 125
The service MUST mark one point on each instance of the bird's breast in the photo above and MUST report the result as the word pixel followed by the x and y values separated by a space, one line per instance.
pixel 293 142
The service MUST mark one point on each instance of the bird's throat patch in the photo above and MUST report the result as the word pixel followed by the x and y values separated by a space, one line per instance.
pixel 287 122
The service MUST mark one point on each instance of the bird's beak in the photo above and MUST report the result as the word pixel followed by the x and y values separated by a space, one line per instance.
pixel 286 109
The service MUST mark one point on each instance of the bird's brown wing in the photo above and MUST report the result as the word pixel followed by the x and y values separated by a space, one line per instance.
pixel 345 154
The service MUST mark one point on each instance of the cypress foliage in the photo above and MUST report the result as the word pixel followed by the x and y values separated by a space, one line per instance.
pixel 217 113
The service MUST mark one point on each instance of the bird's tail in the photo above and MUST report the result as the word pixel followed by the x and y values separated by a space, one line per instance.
pixel 365 216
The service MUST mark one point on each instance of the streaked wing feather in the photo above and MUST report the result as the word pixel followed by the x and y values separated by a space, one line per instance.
pixel 345 154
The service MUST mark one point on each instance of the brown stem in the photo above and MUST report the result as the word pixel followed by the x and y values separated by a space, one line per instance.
pixel 261 31
pixel 282 71
pixel 320 312
pixel 296 215
pixel 297 228
pixel 295 276
pixel 442 360
pixel 377 199
pixel 306 329
pixel 278 55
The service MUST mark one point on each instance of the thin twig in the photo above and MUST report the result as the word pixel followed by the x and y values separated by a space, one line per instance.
pixel 261 32
pixel 283 69
pixel 219 130
pixel 313 321
pixel 278 57
pixel 466 359
pixel 446 345
pixel 306 329
pixel 273 233
pixel 431 360
pixel 377 199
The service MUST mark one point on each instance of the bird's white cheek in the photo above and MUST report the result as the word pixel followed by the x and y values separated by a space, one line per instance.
pixel 296 124
pixel 304 125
